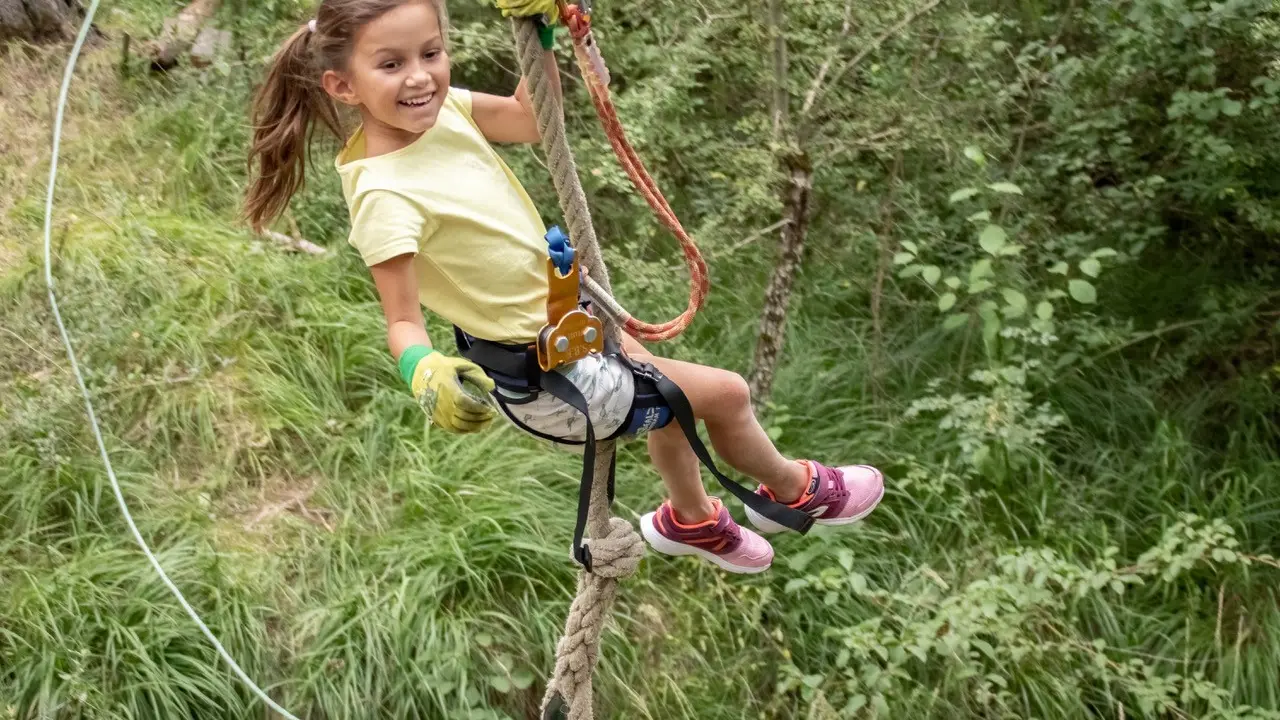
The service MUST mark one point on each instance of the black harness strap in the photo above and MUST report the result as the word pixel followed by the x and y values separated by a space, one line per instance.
pixel 560 387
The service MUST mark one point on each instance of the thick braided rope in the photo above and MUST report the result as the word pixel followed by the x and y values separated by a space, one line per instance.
pixel 616 547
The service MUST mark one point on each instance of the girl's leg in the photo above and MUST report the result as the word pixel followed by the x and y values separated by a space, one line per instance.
pixel 722 401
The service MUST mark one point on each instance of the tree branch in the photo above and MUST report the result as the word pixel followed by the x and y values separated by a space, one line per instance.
pixel 816 93
pixel 781 98
pixel 826 65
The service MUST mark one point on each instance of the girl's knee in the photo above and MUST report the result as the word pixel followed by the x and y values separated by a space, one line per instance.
pixel 733 394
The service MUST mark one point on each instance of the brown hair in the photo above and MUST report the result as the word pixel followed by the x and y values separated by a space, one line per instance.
pixel 291 101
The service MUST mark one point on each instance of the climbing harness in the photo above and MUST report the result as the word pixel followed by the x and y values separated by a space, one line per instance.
pixel 84 390
pixel 529 370
pixel 657 397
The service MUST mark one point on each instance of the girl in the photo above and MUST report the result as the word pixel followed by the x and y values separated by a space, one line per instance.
pixel 441 221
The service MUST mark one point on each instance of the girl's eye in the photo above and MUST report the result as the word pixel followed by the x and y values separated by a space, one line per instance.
pixel 390 65
pixel 431 54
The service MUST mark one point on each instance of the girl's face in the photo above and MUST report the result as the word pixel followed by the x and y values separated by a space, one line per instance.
pixel 398 72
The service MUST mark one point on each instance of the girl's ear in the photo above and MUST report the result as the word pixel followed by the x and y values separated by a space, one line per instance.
pixel 338 88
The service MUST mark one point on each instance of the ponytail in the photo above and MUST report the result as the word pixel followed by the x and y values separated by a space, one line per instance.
pixel 286 110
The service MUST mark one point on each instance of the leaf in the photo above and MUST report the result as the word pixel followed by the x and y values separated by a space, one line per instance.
pixel 911 271
pixel 522 679
pixel 990 328
pixel 484 639
pixel 980 216
pixel 1090 267
pixel 954 321
pixel 952 282
pixel 845 557
pixel 858 583
pixel 812 681
pixel 980 286
pixel 910 246
pixel 1082 291
pixel 903 258
pixel 946 302
pixel 1007 188
pixel 795 584
pixel 1012 249
pixel 931 274
pixel 974 153
pixel 962 194
pixel 1015 299
pixel 1231 108
pixel 993 238
pixel 979 270
pixel 500 683
pixel 1059 268
pixel 1044 310
pixel 1103 253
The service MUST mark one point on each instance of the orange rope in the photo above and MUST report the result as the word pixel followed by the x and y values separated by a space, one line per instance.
pixel 699 279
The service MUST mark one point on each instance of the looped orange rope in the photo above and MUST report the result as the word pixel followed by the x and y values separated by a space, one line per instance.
pixel 579 26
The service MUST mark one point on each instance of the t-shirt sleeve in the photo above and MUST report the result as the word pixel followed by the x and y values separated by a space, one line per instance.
pixel 462 98
pixel 385 224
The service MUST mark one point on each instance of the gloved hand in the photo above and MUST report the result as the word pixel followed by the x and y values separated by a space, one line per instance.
pixel 437 382
pixel 529 8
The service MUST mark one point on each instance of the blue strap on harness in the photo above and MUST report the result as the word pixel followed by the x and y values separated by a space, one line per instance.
pixel 559 249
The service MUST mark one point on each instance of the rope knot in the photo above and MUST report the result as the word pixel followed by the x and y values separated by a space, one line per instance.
pixel 617 554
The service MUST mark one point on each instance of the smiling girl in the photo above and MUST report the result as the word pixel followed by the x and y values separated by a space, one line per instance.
pixel 441 222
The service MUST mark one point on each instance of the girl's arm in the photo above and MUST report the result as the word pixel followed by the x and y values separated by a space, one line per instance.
pixel 511 119
pixel 398 290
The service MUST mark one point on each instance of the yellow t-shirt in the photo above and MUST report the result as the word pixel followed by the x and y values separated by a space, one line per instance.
pixel 449 199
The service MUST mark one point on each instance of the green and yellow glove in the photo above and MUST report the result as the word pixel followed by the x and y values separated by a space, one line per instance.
pixel 437 381
pixel 530 8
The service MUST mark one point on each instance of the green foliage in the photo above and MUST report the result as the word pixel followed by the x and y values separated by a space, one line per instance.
pixel 1070 382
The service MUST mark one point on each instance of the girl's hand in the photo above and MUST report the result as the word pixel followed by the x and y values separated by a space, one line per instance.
pixel 438 386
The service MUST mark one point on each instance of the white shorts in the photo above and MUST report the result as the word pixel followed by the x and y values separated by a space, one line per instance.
pixel 607 385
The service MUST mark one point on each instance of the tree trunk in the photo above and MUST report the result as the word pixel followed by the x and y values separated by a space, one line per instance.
pixel 777 297
pixel 39 20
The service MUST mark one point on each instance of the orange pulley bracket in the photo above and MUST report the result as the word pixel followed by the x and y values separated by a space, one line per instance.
pixel 570 333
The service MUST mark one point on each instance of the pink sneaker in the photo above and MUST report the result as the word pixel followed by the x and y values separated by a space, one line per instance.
pixel 720 539
pixel 836 496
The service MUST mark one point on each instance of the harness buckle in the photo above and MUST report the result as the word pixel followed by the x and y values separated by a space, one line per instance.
pixel 582 554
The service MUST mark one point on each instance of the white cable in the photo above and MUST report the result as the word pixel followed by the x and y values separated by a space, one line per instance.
pixel 88 404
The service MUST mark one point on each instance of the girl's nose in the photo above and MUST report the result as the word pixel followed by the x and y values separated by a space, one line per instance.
pixel 419 77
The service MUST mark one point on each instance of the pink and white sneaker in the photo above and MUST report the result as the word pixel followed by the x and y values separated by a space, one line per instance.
pixel 835 496
pixel 719 539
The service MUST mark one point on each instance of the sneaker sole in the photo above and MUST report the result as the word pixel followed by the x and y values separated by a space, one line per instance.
pixel 666 546
pixel 766 526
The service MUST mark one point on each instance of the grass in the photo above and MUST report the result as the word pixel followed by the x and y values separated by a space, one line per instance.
pixel 359 564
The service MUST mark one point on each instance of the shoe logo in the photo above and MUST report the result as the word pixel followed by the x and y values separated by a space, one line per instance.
pixel 820 511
